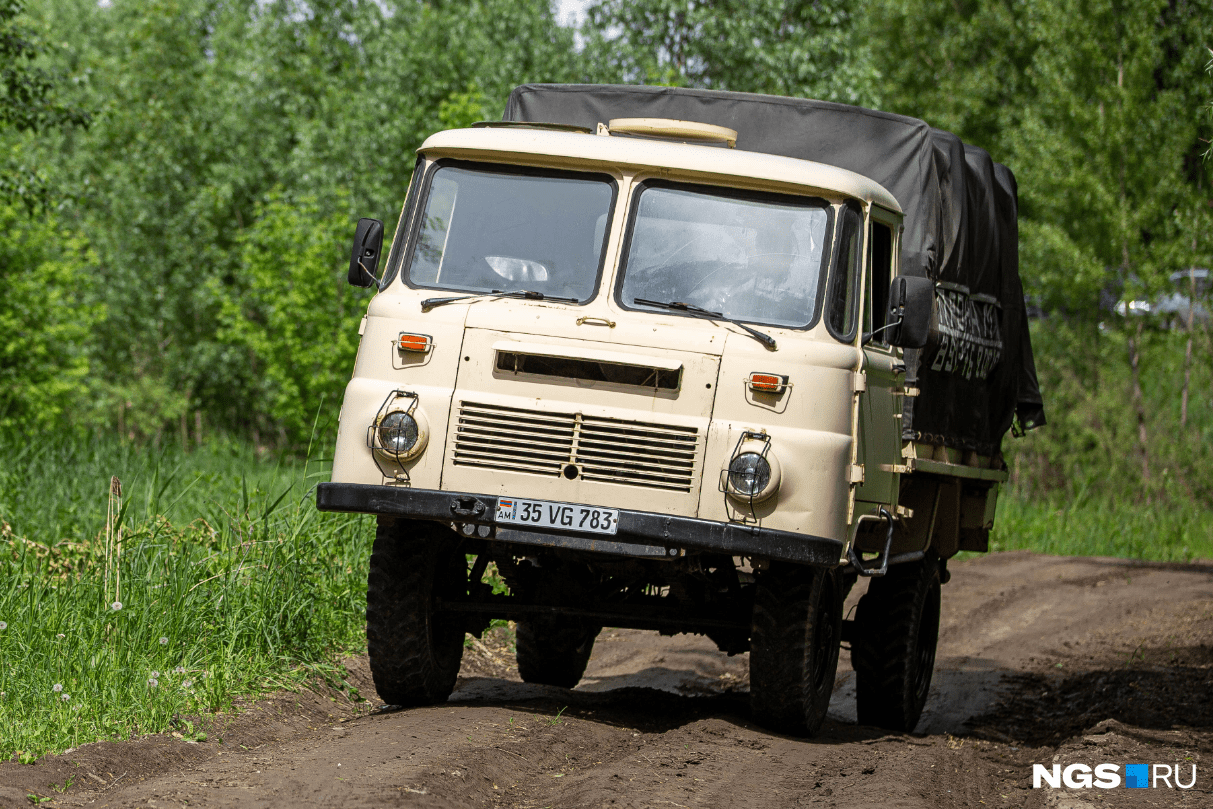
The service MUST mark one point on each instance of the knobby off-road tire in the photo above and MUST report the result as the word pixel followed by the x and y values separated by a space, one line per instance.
pixel 414 651
pixel 794 637
pixel 893 651
pixel 553 650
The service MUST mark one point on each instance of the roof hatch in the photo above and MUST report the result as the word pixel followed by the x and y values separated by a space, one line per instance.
pixel 670 129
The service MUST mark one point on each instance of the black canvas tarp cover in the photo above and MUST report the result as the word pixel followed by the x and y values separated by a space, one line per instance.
pixel 960 231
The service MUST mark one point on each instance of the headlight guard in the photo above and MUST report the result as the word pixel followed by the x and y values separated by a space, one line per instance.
pixel 753 474
pixel 399 433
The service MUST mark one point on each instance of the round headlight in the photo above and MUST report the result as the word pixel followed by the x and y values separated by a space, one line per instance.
pixel 398 432
pixel 749 474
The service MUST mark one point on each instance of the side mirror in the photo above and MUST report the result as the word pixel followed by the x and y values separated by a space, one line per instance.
pixel 911 303
pixel 364 259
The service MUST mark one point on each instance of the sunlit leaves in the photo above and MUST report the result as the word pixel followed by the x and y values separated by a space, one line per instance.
pixel 44 327
pixel 784 47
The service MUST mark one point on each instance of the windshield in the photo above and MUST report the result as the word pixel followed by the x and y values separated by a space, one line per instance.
pixel 748 257
pixel 491 228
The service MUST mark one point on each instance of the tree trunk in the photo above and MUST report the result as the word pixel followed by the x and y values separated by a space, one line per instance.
pixel 1183 399
pixel 1139 402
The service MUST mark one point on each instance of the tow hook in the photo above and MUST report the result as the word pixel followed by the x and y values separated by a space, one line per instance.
pixel 468 507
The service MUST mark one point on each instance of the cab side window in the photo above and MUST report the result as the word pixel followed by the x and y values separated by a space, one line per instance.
pixel 880 257
pixel 843 302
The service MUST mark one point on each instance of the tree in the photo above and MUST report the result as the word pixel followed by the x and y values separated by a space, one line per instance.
pixel 1092 104
pixel 30 102
pixel 210 116
pixel 961 66
pixel 295 320
pixel 786 47
pixel 1209 108
pixel 44 328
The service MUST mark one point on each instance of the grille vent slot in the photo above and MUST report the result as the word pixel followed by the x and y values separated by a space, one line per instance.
pixel 633 453
pixel 593 370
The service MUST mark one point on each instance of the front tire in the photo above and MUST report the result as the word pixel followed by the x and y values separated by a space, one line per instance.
pixel 893 653
pixel 794 640
pixel 414 650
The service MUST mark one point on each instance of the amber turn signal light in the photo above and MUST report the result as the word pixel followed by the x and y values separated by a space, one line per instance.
pixel 767 383
pixel 415 342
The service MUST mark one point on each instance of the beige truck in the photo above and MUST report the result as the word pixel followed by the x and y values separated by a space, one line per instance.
pixel 664 371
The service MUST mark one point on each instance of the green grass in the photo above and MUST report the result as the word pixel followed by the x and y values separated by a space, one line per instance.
pixel 231 583
pixel 229 580
pixel 1103 526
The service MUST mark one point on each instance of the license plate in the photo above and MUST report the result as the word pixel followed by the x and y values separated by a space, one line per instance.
pixel 566 516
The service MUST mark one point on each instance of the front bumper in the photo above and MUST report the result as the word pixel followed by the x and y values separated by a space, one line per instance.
pixel 641 533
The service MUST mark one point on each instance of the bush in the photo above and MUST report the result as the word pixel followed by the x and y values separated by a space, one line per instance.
pixel 44 326
pixel 293 314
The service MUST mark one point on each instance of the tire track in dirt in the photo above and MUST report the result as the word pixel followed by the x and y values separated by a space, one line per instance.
pixel 1040 657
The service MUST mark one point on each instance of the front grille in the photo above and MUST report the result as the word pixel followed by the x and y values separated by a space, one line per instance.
pixel 634 453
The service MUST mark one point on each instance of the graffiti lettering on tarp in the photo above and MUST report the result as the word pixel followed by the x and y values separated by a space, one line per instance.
pixel 970 342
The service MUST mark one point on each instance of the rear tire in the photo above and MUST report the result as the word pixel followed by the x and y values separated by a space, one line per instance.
pixel 893 653
pixel 554 650
pixel 794 641
pixel 414 650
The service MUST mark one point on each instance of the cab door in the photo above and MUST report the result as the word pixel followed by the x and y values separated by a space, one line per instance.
pixel 880 408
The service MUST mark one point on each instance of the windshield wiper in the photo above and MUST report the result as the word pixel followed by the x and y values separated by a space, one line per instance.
pixel 690 308
pixel 525 294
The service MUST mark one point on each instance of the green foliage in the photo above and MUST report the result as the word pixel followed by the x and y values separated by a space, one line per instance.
pixel 1092 431
pixel 294 318
pixel 228 581
pixel 1103 137
pixel 963 67
pixel 27 101
pixel 44 327
pixel 1209 107
pixel 209 117
pixel 30 101
pixel 784 47
pixel 1091 104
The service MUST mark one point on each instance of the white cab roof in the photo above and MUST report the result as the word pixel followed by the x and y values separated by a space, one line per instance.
pixel 686 160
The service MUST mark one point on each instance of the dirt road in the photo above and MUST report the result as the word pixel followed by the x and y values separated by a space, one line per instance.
pixel 1041 659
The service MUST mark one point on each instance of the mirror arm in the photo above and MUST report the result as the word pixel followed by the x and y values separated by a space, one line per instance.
pixel 868 335
pixel 370 275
